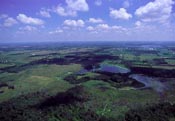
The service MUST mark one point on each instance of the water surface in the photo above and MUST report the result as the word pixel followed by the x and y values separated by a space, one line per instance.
pixel 149 82
pixel 113 68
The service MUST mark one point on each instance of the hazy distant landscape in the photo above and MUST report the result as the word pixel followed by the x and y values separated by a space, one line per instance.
pixel 88 81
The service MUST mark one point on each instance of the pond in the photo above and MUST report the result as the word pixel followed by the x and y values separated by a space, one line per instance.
pixel 113 69
pixel 149 82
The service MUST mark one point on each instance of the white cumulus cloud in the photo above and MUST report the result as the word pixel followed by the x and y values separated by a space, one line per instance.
pixel 9 22
pixel 138 23
pixel 103 26
pixel 71 8
pixel 106 28
pixel 90 28
pixel 120 14
pixel 2 16
pixel 62 11
pixel 156 11
pixel 95 20
pixel 74 23
pixel 29 20
pixel 28 28
pixel 45 13
pixel 77 5
pixel 57 31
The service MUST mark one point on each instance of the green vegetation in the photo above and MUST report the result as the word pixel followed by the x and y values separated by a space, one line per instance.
pixel 50 83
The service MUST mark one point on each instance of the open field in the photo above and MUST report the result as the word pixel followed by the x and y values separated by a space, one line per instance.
pixel 89 82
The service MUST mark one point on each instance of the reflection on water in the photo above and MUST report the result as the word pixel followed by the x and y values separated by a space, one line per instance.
pixel 113 69
pixel 149 82
pixel 106 68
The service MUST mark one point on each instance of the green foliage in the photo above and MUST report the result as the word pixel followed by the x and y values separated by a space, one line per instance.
pixel 38 106
pixel 157 112
pixel 48 88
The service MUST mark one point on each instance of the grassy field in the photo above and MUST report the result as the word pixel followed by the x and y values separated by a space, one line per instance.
pixel 34 76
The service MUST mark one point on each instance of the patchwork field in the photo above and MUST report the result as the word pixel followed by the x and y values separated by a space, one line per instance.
pixel 89 82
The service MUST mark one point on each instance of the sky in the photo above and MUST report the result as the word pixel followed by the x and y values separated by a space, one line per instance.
pixel 87 20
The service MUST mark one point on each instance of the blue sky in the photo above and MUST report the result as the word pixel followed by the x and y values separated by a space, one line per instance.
pixel 87 20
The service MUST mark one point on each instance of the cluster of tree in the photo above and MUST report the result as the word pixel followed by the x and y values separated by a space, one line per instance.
pixel 160 61
pixel 20 108
pixel 70 106
pixel 71 96
pixel 3 84
pixel 73 79
pixel 154 72
pixel 65 106
pixel 116 80
pixel 157 112
pixel 87 60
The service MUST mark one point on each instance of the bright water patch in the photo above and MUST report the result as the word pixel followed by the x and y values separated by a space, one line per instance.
pixel 149 82
pixel 113 69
